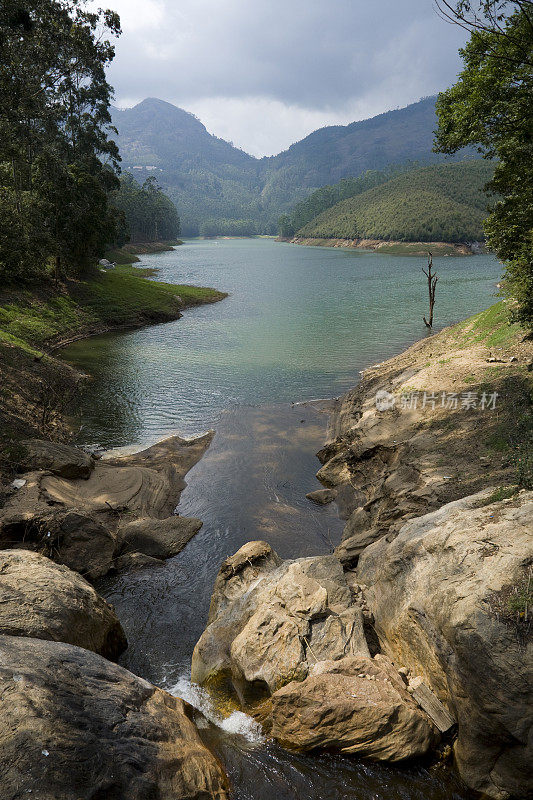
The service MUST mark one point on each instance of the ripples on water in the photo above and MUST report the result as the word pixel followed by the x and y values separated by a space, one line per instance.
pixel 299 324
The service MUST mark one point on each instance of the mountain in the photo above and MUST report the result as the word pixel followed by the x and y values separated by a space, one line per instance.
pixel 441 202
pixel 208 178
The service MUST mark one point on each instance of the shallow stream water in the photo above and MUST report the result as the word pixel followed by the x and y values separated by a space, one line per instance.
pixel 299 324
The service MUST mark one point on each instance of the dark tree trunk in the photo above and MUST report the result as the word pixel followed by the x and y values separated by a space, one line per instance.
pixel 432 283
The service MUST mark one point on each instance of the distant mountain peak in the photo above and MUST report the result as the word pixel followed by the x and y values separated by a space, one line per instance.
pixel 208 178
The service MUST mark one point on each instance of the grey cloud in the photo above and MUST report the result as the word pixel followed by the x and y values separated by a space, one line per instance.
pixel 317 55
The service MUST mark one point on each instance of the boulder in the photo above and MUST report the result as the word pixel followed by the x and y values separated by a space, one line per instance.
pixel 61 459
pixel 44 600
pixel 159 538
pixel 358 706
pixel 269 621
pixel 322 496
pixel 81 542
pixel 448 595
pixel 74 725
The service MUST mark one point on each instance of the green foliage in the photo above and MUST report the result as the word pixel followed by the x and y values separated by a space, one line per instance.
pixel 228 227
pixel 306 210
pixel 208 178
pixel 117 297
pixel 149 215
pixel 57 163
pixel 442 202
pixel 490 106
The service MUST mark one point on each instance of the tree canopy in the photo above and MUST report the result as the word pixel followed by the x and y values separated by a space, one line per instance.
pixel 57 161
pixel 149 215
pixel 443 202
pixel 490 107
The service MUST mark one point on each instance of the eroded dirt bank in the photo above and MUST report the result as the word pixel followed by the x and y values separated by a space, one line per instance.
pixel 393 247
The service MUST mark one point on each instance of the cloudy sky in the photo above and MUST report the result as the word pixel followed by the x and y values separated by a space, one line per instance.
pixel 265 73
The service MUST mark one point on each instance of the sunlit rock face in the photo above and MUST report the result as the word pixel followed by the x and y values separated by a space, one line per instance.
pixel 288 640
pixel 75 725
pixel 270 621
pixel 446 594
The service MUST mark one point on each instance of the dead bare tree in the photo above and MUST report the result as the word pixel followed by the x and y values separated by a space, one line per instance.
pixel 432 283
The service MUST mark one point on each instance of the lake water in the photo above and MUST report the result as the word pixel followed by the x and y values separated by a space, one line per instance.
pixel 299 324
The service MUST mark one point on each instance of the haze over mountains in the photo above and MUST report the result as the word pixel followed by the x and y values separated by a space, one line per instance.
pixel 208 178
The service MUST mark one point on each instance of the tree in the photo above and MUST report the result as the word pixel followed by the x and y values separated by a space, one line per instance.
pixel 57 162
pixel 432 285
pixel 149 215
pixel 490 107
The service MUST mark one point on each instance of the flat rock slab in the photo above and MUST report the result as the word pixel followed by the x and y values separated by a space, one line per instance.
pixel 74 726
pixel 159 538
pixel 147 484
pixel 44 600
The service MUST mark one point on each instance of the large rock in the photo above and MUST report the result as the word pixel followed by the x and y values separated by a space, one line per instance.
pixel 82 522
pixel 445 594
pixel 270 621
pixel 74 725
pixel 44 600
pixel 359 706
pixel 146 484
pixel 61 459
pixel 158 538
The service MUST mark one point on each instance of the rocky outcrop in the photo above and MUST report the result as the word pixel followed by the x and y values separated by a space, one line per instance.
pixel 415 433
pixel 60 459
pixel 287 639
pixel 271 620
pixel 358 706
pixel 75 725
pixel 43 600
pixel 445 594
pixel 99 523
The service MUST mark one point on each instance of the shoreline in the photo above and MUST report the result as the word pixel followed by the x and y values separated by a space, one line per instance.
pixel 389 247
pixel 37 322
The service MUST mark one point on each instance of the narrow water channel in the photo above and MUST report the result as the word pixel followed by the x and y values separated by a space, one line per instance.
pixel 299 324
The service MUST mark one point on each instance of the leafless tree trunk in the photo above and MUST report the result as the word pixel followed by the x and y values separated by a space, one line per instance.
pixel 432 283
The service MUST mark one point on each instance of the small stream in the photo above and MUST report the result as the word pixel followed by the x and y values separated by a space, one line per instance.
pixel 299 324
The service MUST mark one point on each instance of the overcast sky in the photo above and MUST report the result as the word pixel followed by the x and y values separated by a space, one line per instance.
pixel 265 73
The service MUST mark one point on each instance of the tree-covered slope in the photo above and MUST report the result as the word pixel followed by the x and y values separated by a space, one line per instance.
pixel 441 202
pixel 209 178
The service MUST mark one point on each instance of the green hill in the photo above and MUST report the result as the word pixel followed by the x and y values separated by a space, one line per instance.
pixel 210 179
pixel 441 202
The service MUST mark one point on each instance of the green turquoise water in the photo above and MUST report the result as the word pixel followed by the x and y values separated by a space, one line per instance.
pixel 299 324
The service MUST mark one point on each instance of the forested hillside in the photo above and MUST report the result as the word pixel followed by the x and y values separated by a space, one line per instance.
pixel 443 202
pixel 148 214
pixel 210 179
pixel 327 196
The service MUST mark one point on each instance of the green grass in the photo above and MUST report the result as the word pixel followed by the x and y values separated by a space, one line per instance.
pixel 490 327
pixel 501 493
pixel 115 298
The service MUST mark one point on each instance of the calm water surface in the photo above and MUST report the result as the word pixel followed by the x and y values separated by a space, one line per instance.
pixel 299 324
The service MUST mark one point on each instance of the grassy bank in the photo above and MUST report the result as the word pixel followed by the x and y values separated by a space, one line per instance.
pixel 129 253
pixel 114 299
pixel 35 385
